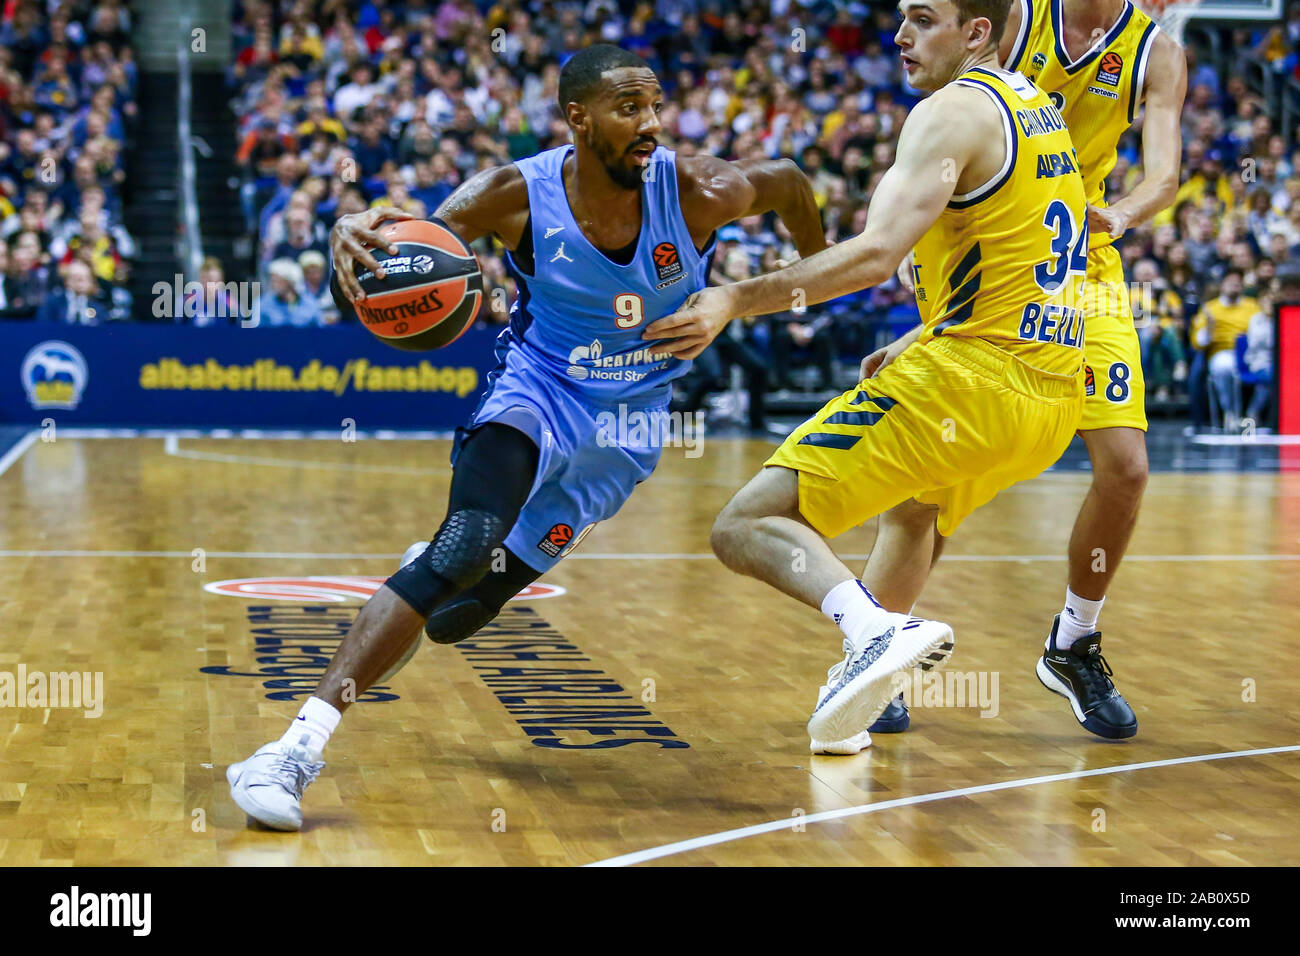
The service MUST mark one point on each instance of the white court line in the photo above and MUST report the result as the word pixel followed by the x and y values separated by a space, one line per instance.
pixel 16 452
pixel 1245 441
pixel 728 836
pixel 172 448
pixel 251 434
pixel 279 555
pixel 658 556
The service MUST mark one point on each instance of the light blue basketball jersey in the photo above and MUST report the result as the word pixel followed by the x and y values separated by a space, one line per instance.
pixel 580 316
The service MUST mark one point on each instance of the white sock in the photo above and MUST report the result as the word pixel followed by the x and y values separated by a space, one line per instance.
pixel 1078 619
pixel 850 605
pixel 315 722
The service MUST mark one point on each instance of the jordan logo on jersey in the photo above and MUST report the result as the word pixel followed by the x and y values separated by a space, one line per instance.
pixel 559 254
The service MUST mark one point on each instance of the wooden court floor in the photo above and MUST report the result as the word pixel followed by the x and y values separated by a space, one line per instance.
pixel 703 680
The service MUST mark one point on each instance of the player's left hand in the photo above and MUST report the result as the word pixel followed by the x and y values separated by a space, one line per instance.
pixel 691 328
pixel 1109 220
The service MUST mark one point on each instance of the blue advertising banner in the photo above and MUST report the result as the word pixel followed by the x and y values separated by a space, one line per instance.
pixel 141 375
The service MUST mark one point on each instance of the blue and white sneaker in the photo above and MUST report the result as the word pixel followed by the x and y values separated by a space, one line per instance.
pixel 839 748
pixel 413 552
pixel 861 686
pixel 268 786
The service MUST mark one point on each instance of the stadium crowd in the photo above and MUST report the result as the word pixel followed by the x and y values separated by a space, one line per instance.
pixel 67 107
pixel 342 105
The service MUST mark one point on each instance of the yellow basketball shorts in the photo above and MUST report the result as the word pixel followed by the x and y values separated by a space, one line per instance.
pixel 1114 388
pixel 950 422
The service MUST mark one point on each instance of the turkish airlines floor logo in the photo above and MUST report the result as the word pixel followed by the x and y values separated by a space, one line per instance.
pixel 334 589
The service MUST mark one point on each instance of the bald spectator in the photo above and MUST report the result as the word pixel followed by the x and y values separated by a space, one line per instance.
pixel 81 301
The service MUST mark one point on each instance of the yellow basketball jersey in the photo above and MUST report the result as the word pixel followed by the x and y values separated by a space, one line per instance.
pixel 1005 263
pixel 1098 94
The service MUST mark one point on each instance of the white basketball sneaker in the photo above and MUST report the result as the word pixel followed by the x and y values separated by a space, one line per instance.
pixel 413 552
pixel 841 748
pixel 860 687
pixel 268 786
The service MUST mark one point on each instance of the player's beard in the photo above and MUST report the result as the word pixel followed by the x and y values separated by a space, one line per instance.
pixel 628 177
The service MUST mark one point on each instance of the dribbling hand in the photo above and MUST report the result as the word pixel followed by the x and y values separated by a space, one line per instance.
pixel 351 240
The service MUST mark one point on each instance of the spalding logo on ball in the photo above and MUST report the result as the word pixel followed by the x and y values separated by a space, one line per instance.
pixel 431 290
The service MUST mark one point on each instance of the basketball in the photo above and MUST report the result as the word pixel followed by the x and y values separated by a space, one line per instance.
pixel 430 291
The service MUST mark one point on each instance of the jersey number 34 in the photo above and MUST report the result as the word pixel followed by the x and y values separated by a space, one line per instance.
pixel 1069 248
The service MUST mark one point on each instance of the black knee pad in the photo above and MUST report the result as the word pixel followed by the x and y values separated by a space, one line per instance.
pixel 458 620
pixel 461 553
pixel 462 549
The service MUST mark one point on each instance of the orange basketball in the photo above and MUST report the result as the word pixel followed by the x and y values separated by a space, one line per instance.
pixel 431 289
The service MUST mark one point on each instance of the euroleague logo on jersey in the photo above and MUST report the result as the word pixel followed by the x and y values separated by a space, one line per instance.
pixel 667 262
pixel 560 540
pixel 556 540
pixel 1112 65
pixel 335 588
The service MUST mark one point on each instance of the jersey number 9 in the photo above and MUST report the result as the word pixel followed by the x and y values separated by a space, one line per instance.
pixel 629 309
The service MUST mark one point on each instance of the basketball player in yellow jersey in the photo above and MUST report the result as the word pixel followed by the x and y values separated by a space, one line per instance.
pixel 988 393
pixel 1100 61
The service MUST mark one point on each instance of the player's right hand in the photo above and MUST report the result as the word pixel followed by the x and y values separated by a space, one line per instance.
pixel 350 241
pixel 880 359
pixel 905 276
pixel 872 364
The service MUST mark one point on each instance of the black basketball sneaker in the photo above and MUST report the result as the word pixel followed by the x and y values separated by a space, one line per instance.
pixel 894 720
pixel 1082 676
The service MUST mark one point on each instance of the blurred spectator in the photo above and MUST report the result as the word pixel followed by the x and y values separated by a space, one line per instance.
pixel 100 249
pixel 214 303
pixel 284 303
pixel 315 285
pixel 81 301
pixel 1257 358
pixel 1161 329
pixel 1214 337
pixel 27 280
pixel 299 235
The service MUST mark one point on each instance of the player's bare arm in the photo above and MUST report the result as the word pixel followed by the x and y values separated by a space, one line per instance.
pixel 492 202
pixel 780 186
pixel 951 142
pixel 1164 90
pixel 715 192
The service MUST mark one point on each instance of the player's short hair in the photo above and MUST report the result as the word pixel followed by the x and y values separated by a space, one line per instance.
pixel 1234 271
pixel 995 11
pixel 580 78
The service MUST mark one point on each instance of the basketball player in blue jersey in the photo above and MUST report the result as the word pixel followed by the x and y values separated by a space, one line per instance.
pixel 605 236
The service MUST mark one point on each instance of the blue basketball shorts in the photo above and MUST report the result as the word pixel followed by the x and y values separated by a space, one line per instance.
pixel 585 472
